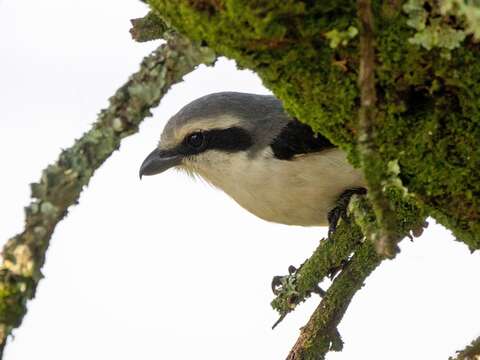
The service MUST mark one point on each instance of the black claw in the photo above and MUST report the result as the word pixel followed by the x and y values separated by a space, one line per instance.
pixel 340 210
pixel 292 269
pixel 333 217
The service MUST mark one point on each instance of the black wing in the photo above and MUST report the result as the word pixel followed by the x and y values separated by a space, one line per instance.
pixel 297 138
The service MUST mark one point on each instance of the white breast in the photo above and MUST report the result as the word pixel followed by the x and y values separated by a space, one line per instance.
pixel 300 191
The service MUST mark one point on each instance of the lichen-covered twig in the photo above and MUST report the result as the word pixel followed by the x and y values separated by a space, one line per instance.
pixel 320 334
pixel 471 352
pixel 373 166
pixel 62 182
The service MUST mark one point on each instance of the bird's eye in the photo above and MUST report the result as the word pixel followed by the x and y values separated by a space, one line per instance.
pixel 195 140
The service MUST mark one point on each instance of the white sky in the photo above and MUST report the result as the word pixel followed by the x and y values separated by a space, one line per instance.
pixel 169 268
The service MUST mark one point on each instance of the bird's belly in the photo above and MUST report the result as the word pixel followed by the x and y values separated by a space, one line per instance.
pixel 295 192
pixel 291 209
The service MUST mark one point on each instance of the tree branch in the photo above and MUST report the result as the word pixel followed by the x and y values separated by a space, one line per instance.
pixel 471 352
pixel 62 182
pixel 326 260
pixel 320 334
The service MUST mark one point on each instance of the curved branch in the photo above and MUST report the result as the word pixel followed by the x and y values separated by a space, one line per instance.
pixel 320 334
pixel 62 182
pixel 327 258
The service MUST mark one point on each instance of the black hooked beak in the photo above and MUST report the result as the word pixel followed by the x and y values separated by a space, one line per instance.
pixel 158 161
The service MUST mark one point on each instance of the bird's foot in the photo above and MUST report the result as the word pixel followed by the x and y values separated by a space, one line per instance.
pixel 287 283
pixel 280 282
pixel 340 209
pixel 285 288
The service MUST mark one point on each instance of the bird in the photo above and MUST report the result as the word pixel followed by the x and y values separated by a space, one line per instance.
pixel 269 162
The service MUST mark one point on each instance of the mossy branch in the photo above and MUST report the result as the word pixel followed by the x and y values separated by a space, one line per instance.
pixel 326 260
pixel 320 334
pixel 62 182
pixel 428 117
pixel 471 352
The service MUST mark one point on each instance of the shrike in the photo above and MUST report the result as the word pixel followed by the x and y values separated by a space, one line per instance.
pixel 271 164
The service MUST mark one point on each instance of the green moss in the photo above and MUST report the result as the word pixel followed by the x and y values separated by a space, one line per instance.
pixel 338 38
pixel 320 335
pixel 327 259
pixel 12 292
pixel 428 107
pixel 332 254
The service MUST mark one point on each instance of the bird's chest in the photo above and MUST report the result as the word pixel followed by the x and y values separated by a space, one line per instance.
pixel 298 192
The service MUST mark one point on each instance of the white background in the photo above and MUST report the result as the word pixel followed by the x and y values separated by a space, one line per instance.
pixel 169 268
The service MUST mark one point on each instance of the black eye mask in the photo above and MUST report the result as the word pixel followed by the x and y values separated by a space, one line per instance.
pixel 228 140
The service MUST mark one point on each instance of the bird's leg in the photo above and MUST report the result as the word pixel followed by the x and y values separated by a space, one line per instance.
pixel 285 287
pixel 341 206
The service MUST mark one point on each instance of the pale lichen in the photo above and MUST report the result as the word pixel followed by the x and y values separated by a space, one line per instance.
pixel 468 11
pixel 433 29
pixel 443 24
pixel 117 124
pixel 341 37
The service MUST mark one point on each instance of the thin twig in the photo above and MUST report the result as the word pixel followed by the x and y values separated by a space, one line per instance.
pixel 375 171
pixel 62 182
pixel 320 334
pixel 327 258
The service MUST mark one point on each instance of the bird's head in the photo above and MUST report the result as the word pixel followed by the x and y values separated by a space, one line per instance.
pixel 207 131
